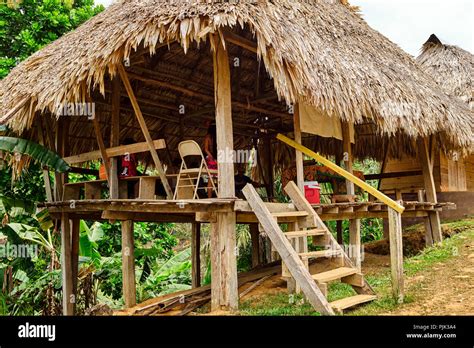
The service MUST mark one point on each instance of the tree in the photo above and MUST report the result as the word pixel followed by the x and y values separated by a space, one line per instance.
pixel 28 25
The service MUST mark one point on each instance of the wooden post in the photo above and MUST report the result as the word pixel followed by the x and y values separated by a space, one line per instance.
pixel 115 138
pixel 269 163
pixel 196 254
pixel 128 264
pixel 62 134
pixel 46 178
pixel 102 148
pixel 75 229
pixel 299 154
pixel 255 236
pixel 354 225
pixel 66 269
pixel 224 290
pixel 430 188
pixel 396 254
pixel 146 133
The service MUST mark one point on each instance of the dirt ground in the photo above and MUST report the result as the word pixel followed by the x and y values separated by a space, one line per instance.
pixel 445 289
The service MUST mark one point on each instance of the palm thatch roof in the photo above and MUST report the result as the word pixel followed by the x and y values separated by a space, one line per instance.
pixel 320 52
pixel 451 67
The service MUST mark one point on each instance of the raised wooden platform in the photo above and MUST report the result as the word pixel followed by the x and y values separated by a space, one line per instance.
pixel 202 209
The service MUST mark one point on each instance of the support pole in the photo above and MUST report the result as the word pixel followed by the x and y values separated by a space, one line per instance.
pixel 75 229
pixel 66 269
pixel 430 188
pixel 255 236
pixel 224 292
pixel 396 254
pixel 115 138
pixel 354 225
pixel 102 148
pixel 146 133
pixel 299 154
pixel 196 254
pixel 128 264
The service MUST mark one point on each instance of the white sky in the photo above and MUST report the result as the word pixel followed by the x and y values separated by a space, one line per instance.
pixel 409 23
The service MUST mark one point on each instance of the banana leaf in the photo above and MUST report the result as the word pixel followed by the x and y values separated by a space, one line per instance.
pixel 15 207
pixel 36 151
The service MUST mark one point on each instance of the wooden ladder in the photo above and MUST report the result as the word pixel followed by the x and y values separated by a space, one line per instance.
pixel 293 249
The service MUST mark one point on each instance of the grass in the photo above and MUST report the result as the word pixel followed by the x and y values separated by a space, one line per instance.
pixel 284 305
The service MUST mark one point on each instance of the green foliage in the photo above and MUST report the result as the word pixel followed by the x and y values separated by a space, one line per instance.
pixel 34 150
pixel 35 23
pixel 30 185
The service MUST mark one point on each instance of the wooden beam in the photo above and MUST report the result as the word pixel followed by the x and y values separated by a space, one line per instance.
pixel 115 151
pixel 199 95
pixel 146 133
pixel 196 254
pixel 240 41
pixel 396 254
pixel 66 269
pixel 430 189
pixel 128 264
pixel 102 148
pixel 388 201
pixel 288 254
pixel 299 154
pixel 224 287
pixel 46 178
pixel 115 138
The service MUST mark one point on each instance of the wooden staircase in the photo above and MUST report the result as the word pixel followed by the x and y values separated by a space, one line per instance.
pixel 293 248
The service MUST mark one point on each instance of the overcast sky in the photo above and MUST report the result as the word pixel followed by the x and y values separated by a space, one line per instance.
pixel 409 23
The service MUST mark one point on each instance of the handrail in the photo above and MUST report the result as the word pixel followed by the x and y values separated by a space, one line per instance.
pixel 374 192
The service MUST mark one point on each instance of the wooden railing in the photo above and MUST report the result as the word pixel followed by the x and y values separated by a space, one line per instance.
pixel 394 214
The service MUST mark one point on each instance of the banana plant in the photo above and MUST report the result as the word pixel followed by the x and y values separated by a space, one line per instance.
pixel 35 151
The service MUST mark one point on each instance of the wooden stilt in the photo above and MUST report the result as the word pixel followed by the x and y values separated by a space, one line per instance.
pixel 223 246
pixel 66 269
pixel 299 154
pixel 196 254
pixel 75 229
pixel 115 138
pixel 430 188
pixel 128 264
pixel 255 236
pixel 46 178
pixel 396 254
pixel 354 225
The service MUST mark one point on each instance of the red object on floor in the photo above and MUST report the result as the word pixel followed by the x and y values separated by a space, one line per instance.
pixel 312 192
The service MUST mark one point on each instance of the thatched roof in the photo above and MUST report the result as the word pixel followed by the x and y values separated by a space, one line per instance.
pixel 316 51
pixel 451 67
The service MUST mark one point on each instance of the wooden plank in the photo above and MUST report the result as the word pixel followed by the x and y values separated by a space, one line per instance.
pixel 147 187
pixel 299 154
pixel 224 289
pixel 396 254
pixel 287 253
pixel 430 190
pixel 342 172
pixel 75 229
pixel 46 178
pixel 115 138
pixel 334 274
pixel 128 264
pixel 115 151
pixel 355 243
pixel 352 301
pixel 102 148
pixel 146 133
pixel 92 190
pixel 196 254
pixel 66 269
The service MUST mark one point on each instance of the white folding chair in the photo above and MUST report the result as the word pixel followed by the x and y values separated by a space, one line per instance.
pixel 190 177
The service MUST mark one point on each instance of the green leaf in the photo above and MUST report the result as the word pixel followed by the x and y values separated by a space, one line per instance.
pixel 36 151
pixel 15 207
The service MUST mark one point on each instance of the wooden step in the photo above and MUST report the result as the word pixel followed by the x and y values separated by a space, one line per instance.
pixel 334 274
pixel 348 302
pixel 290 214
pixel 306 233
pixel 320 254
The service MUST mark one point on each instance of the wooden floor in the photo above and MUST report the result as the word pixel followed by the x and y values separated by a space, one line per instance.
pixel 202 209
